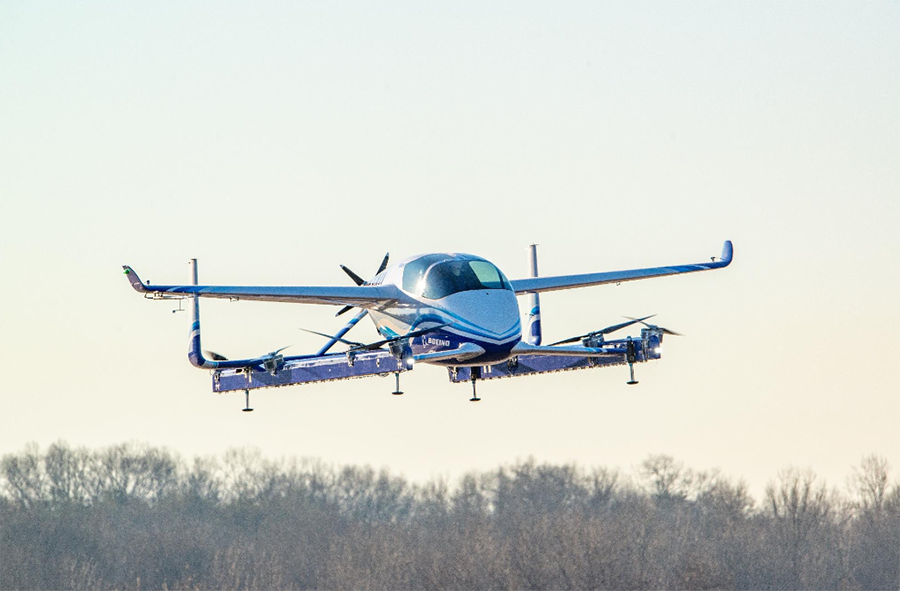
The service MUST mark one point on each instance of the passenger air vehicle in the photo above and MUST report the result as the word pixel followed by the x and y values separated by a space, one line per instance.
pixel 447 309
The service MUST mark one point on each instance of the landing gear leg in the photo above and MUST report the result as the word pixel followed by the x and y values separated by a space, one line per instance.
pixel 247 401
pixel 476 373
pixel 630 357
pixel 397 391
pixel 632 381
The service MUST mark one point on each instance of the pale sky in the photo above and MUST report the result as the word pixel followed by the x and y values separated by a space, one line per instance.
pixel 274 141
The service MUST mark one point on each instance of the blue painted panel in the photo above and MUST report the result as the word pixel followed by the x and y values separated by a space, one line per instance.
pixel 533 365
pixel 320 369
pixel 527 365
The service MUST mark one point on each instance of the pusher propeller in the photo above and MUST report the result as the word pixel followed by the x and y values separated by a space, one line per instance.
pixel 654 327
pixel 603 331
pixel 356 278
pixel 384 263
pixel 359 280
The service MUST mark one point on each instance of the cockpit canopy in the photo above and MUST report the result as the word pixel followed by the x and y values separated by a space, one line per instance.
pixel 435 276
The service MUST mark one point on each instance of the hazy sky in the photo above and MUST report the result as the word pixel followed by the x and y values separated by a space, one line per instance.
pixel 275 140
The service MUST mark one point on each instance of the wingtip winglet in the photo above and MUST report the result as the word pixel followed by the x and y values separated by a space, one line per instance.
pixel 727 252
pixel 133 279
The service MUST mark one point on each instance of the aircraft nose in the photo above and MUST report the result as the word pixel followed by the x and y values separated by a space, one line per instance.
pixel 493 312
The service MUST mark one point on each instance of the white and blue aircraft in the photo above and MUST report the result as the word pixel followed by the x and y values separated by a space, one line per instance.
pixel 447 309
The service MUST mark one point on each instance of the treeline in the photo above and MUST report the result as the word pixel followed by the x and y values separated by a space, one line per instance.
pixel 131 516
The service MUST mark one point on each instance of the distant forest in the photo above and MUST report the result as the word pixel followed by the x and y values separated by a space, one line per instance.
pixel 137 517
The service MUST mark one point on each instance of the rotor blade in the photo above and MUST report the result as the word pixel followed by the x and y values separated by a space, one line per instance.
pixel 339 339
pixel 662 329
pixel 213 356
pixel 356 278
pixel 420 332
pixel 277 351
pixel 409 335
pixel 384 263
pixel 606 330
pixel 342 310
pixel 570 340
pixel 332 340
pixel 665 330
pixel 631 321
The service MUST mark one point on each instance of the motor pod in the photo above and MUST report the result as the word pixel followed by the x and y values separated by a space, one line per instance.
pixel 593 340
pixel 273 364
pixel 651 340
pixel 402 352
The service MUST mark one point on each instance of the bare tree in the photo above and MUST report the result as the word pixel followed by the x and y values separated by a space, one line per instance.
pixel 204 482
pixel 799 508
pixel 869 482
pixel 131 471
pixel 71 474
pixel 132 516
pixel 667 479
pixel 602 483
pixel 24 479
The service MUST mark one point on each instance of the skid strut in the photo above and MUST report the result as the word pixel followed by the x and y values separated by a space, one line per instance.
pixel 632 381
pixel 247 401
pixel 631 357
pixel 397 391
pixel 476 373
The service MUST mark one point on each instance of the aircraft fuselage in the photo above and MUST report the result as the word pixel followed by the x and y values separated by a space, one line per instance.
pixel 467 293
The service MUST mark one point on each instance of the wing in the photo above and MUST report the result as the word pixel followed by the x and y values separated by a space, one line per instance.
pixel 363 296
pixel 539 284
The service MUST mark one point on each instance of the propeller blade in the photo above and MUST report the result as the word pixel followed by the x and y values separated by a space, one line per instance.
pixel 409 335
pixel 277 351
pixel 328 336
pixel 631 321
pixel 671 332
pixel 607 330
pixel 570 340
pixel 356 278
pixel 662 329
pixel 212 355
pixel 359 280
pixel 384 263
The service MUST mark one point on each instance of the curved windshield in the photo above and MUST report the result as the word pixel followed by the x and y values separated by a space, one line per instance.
pixel 415 271
pixel 449 277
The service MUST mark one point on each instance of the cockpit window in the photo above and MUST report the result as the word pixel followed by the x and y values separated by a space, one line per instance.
pixel 414 272
pixel 489 275
pixel 449 277
pixel 436 276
